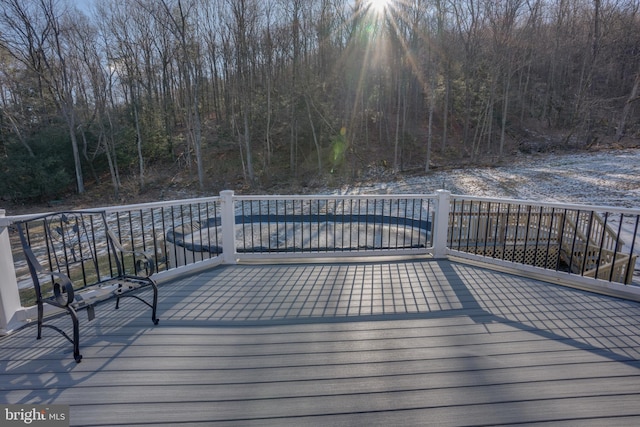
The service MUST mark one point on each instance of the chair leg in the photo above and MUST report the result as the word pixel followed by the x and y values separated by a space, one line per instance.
pixel 155 303
pixel 40 317
pixel 76 334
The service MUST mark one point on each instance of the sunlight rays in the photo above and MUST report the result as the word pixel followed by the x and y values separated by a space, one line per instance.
pixel 379 49
pixel 378 7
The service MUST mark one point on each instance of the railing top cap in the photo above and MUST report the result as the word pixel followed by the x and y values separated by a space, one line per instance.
pixel 559 205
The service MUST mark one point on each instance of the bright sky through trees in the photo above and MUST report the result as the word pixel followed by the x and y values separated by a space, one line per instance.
pixel 379 6
pixel 277 91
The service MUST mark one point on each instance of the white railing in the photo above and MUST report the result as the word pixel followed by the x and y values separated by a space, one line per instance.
pixel 587 246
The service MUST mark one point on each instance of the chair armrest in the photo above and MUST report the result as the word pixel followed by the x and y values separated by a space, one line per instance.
pixel 142 260
pixel 63 292
pixel 147 265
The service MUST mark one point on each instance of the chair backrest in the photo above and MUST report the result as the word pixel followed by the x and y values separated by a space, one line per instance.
pixel 77 244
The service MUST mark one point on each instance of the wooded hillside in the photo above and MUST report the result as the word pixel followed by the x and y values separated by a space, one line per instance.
pixel 258 92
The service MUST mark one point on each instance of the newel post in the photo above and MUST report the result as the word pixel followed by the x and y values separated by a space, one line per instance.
pixel 441 224
pixel 9 296
pixel 228 222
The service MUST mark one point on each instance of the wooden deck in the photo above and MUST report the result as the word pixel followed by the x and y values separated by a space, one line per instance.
pixel 386 343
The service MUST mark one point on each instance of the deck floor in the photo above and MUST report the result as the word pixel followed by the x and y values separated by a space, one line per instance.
pixel 387 343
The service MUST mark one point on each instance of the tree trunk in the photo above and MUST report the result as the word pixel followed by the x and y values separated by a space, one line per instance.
pixel 432 106
pixel 247 143
pixel 445 115
pixel 396 145
pixel 315 136
pixel 21 138
pixel 136 119
pixel 633 96
pixel 76 159
pixel 69 116
pixel 505 109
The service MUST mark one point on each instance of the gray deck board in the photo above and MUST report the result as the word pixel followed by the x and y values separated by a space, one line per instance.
pixel 387 343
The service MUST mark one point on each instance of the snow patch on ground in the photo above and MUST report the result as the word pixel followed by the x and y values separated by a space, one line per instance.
pixel 607 178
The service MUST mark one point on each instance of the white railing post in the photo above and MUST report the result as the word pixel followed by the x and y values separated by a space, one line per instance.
pixel 9 296
pixel 228 222
pixel 441 225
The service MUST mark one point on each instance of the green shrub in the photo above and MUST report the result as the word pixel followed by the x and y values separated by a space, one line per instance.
pixel 40 177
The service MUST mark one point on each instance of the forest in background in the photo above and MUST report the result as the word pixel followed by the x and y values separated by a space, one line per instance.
pixel 255 94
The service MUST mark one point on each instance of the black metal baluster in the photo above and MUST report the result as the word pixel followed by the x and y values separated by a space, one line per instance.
pixel 453 224
pixel 286 229
pixel 209 223
pixel 302 224
pixel 549 236
pixel 366 226
pixel 633 243
pixel 487 225
pixel 584 260
pixel 252 222
pixel 81 228
pixel 496 234
pixel 276 218
pixel 374 220
pixel 184 231
pixel 477 221
pixel 506 233
pixel 518 231
pixel 561 242
pixel 200 227
pixel 120 260
pixel 155 240
pixel 319 222
pixel 133 243
pixel 93 246
pixel 216 205
pixel 173 226
pixel 599 259
pixel 468 223
pixel 142 232
pixel 335 221
pixel 428 232
pixel 573 242
pixel 616 249
pixel 244 231
pixel 535 250
pixel 350 224
pixel 260 223
pixel 526 234
pixel 397 218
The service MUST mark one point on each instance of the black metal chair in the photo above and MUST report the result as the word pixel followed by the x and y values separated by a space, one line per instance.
pixel 76 262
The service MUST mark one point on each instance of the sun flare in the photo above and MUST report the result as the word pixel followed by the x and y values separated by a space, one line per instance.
pixel 378 6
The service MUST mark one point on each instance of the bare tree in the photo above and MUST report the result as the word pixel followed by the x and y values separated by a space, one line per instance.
pixel 295 82
pixel 36 35
pixel 183 21
pixel 242 24
pixel 12 106
pixel 634 96
pixel 124 54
